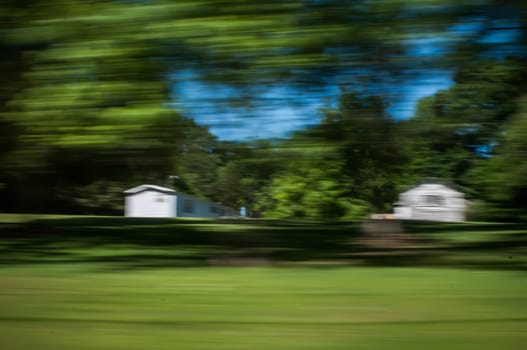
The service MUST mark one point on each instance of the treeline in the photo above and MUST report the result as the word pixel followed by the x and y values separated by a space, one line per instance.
pixel 353 163
pixel 356 161
pixel 85 93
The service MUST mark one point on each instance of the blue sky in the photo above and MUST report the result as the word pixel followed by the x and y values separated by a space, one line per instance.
pixel 278 110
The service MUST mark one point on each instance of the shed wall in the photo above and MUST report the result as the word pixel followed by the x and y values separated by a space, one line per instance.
pixel 164 203
pixel 188 206
pixel 431 202
pixel 150 204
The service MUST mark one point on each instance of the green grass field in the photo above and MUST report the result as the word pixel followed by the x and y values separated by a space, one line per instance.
pixel 114 283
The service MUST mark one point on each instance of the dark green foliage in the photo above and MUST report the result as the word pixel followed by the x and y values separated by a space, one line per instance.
pixel 85 93
pixel 460 134
pixel 347 166
pixel 501 179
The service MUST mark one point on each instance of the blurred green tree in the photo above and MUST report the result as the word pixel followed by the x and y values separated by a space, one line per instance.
pixel 457 129
pixel 346 167
pixel 501 179
pixel 85 92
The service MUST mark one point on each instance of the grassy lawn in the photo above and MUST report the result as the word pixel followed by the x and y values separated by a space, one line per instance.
pixel 111 283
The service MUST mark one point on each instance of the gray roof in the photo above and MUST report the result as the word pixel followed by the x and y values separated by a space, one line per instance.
pixel 432 187
pixel 142 188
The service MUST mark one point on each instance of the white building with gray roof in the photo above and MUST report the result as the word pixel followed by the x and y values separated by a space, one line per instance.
pixel 163 202
pixel 431 202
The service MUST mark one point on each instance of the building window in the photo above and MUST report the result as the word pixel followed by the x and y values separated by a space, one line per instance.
pixel 434 200
pixel 188 206
pixel 213 209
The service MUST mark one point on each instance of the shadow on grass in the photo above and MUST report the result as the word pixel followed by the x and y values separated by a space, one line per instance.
pixel 127 243
pixel 456 228
pixel 169 242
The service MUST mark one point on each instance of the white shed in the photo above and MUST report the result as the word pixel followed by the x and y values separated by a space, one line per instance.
pixel 163 202
pixel 433 202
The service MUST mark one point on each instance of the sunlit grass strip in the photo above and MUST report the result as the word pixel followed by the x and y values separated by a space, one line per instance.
pixel 65 306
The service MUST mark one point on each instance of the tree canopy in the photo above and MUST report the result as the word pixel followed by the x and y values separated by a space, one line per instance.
pixel 87 107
